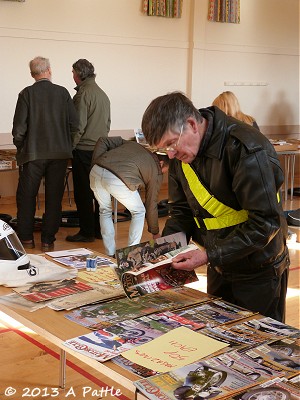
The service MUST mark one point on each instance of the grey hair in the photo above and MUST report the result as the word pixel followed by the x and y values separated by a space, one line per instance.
pixel 168 112
pixel 39 65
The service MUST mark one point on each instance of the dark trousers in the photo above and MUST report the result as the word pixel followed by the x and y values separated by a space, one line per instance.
pixel 87 206
pixel 263 292
pixel 30 177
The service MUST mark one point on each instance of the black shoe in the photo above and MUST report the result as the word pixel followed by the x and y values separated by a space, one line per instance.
pixel 28 244
pixel 80 238
pixel 47 246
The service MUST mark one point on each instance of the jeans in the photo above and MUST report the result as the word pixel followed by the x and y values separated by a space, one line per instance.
pixel 104 185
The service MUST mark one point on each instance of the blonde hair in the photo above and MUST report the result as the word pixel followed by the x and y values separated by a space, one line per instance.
pixel 228 102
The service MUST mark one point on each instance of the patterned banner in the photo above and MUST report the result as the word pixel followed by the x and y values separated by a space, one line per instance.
pixel 224 11
pixel 163 8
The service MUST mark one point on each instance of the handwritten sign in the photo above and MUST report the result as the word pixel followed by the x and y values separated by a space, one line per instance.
pixel 174 349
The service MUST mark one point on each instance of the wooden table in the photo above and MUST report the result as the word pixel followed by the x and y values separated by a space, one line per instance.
pixel 54 327
pixel 289 170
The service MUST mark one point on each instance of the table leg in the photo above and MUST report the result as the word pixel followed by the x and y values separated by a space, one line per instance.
pixel 293 161
pixel 286 173
pixel 62 369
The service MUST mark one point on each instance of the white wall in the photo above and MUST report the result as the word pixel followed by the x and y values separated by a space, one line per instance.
pixel 137 57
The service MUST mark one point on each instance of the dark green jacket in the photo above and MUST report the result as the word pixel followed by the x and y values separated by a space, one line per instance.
pixel 93 107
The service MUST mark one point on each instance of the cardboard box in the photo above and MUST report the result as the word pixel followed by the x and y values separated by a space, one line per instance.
pixel 8 160
pixel 6 165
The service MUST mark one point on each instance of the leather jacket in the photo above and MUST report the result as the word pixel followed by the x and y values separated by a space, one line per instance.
pixel 239 166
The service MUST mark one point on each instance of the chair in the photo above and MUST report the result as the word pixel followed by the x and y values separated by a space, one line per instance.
pixel 66 185
pixel 68 172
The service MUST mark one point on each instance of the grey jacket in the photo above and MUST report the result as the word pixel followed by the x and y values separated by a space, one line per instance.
pixel 43 121
pixel 93 107
pixel 137 167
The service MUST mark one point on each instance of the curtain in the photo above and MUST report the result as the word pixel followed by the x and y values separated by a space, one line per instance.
pixel 224 11
pixel 163 8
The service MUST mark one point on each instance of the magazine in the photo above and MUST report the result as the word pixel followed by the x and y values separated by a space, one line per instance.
pixel 203 379
pixel 172 321
pixel 48 290
pixel 133 367
pixel 99 345
pixel 213 313
pixel 102 315
pixel 101 274
pixel 257 371
pixel 277 388
pixel 79 260
pixel 70 252
pixel 247 331
pixel 287 347
pixel 14 300
pixel 266 354
pixel 270 325
pixel 234 339
pixel 99 293
pixel 146 268
pixel 107 343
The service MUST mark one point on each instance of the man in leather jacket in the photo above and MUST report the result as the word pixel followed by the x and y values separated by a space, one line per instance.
pixel 228 201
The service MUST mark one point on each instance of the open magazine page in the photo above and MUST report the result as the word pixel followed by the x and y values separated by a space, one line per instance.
pixel 135 257
pixel 157 275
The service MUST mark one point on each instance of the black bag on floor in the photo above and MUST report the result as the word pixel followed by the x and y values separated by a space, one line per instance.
pixel 293 217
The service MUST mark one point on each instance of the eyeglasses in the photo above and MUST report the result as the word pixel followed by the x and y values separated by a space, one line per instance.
pixel 172 147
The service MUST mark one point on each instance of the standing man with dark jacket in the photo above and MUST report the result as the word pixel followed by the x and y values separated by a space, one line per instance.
pixel 44 118
pixel 93 107
pixel 224 183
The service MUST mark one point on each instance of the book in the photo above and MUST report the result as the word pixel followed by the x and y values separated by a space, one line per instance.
pixel 48 290
pixel 147 267
pixel 203 379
